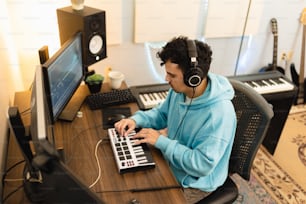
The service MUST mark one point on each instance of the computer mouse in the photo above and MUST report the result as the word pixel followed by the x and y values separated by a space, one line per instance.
pixel 111 120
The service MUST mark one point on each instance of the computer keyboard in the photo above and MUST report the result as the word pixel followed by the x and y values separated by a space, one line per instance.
pixel 114 97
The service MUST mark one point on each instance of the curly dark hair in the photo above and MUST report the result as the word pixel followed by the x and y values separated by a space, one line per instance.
pixel 177 52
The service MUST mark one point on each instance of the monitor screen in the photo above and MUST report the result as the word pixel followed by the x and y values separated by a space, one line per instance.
pixel 63 74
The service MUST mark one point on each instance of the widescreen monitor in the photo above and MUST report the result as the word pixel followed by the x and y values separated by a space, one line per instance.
pixel 63 73
pixel 46 178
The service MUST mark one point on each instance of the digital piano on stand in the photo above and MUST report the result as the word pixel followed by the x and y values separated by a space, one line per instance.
pixel 272 85
pixel 280 93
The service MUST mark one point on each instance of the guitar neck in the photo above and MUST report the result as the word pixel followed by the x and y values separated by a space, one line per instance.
pixel 274 60
pixel 302 64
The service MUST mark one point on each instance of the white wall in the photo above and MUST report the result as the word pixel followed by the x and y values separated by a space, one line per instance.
pixel 256 51
pixel 4 102
pixel 7 88
pixel 131 58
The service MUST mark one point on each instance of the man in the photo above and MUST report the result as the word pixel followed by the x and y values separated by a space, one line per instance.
pixel 194 127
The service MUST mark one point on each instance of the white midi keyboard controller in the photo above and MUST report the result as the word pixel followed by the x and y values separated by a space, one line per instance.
pixel 130 157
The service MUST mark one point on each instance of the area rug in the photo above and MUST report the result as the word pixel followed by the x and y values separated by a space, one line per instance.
pixel 290 152
pixel 251 192
pixel 276 181
pixel 280 178
pixel 268 184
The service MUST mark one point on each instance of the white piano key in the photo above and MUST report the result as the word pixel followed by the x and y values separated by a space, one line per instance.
pixel 144 160
pixel 271 86
pixel 158 98
pixel 137 148
pixel 141 158
pixel 138 153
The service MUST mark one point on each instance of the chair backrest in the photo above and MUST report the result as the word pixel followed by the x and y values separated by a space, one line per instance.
pixel 253 119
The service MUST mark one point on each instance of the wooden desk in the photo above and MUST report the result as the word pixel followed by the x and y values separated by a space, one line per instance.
pixel 79 140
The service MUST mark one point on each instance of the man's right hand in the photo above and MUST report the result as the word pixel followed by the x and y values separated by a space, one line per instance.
pixel 125 126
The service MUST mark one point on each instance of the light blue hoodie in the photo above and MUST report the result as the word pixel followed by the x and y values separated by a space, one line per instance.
pixel 198 151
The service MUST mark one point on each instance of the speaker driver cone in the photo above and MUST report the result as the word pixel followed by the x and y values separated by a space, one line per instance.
pixel 95 44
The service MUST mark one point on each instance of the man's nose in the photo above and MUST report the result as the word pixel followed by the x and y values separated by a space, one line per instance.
pixel 167 78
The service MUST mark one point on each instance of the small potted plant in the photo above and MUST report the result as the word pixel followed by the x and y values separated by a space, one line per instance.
pixel 94 82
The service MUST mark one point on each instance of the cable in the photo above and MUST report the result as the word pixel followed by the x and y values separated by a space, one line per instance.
pixel 26 111
pixel 98 163
pixel 242 37
pixel 11 193
pixel 154 188
pixel 77 135
pixel 135 190
pixel 179 126
pixel 9 169
pixel 14 165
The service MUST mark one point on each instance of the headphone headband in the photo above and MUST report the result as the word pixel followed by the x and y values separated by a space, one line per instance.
pixel 193 77
pixel 192 52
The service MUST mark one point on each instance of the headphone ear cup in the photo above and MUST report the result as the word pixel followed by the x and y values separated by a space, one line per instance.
pixel 193 77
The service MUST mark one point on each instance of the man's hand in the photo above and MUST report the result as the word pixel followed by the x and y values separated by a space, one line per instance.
pixel 123 124
pixel 147 135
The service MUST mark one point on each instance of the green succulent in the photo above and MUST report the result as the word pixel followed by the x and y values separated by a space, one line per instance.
pixel 94 79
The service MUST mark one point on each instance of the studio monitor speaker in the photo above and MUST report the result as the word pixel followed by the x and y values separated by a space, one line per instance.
pixel 89 21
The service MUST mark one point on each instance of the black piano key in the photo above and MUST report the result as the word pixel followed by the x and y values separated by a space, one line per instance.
pixel 260 83
pixel 250 83
pixel 145 97
pixel 278 81
pixel 254 84
pixel 150 96
pixel 161 95
pixel 164 94
pixel 267 82
pixel 264 83
pixel 273 82
pixel 153 96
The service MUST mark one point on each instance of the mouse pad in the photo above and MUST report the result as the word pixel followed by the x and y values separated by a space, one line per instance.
pixel 108 112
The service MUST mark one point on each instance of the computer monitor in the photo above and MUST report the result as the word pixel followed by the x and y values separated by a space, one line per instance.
pixel 49 180
pixel 63 73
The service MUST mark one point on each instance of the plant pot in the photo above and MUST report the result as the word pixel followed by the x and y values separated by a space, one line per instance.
pixel 94 88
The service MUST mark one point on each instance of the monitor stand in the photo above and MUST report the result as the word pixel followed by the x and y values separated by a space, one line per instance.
pixel 57 184
pixel 46 178
pixel 75 103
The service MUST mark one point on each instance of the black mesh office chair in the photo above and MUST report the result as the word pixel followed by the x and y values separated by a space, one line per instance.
pixel 253 118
